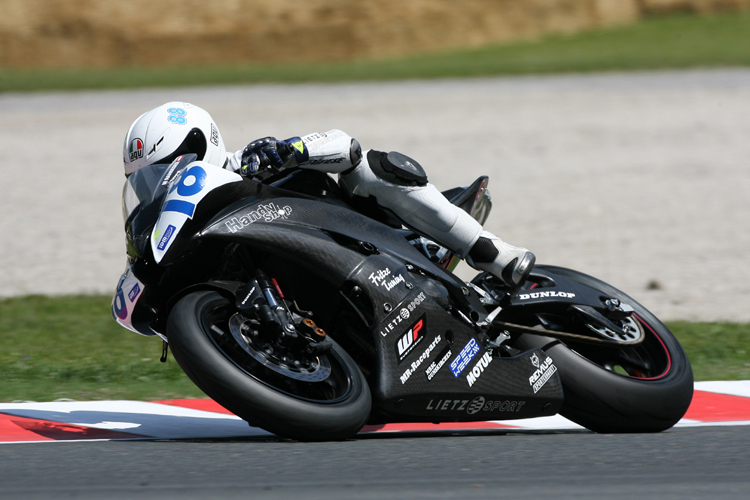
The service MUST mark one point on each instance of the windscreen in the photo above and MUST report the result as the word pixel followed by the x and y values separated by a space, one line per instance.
pixel 142 197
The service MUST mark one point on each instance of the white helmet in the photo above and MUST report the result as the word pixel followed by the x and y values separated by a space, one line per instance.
pixel 171 130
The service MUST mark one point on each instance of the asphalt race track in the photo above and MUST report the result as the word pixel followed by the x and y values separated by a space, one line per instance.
pixel 195 449
pixel 675 465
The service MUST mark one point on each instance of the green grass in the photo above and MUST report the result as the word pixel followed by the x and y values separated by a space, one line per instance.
pixel 682 41
pixel 69 347
pixel 717 351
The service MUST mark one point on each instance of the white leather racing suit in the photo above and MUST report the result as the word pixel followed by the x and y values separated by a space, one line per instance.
pixel 417 203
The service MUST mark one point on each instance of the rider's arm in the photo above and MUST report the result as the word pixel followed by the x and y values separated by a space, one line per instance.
pixel 233 161
pixel 333 151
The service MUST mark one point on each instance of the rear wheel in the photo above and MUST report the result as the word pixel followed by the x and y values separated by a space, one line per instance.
pixel 644 388
pixel 305 397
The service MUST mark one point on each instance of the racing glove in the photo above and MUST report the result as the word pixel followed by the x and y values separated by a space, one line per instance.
pixel 270 153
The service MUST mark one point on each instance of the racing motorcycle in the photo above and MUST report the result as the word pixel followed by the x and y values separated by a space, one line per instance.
pixel 310 314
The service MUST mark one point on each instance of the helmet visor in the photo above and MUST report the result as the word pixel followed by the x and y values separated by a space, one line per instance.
pixel 195 143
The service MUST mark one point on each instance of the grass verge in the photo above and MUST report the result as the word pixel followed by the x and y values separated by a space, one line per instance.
pixel 69 347
pixel 680 41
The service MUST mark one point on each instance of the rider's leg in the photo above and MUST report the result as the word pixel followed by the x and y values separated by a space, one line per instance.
pixel 400 185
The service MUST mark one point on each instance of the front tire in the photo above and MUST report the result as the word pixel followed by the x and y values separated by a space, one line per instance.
pixel 646 388
pixel 307 410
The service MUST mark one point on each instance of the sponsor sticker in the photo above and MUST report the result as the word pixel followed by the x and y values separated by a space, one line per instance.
pixel 214 135
pixel 321 138
pixel 414 303
pixel 378 277
pixel 447 404
pixel 397 319
pixel 412 369
pixel 136 149
pixel 164 240
pixel 476 404
pixel 478 369
pixel 542 295
pixel 442 358
pixel 133 293
pixel 464 357
pixel 170 172
pixel 267 213
pixel 544 371
pixel 325 161
pixel 313 137
pixel 504 406
pixel 480 404
pixel 384 278
pixel 409 340
pixel 405 312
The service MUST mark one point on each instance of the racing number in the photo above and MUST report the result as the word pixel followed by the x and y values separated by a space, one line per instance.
pixel 192 182
pixel 177 115
pixel 118 304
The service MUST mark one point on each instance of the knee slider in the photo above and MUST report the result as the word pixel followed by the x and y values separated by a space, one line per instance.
pixel 483 251
pixel 396 168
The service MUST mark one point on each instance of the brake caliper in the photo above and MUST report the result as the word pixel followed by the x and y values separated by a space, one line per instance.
pixel 261 299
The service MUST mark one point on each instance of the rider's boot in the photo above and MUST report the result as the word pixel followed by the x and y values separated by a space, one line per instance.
pixel 509 263
pixel 399 185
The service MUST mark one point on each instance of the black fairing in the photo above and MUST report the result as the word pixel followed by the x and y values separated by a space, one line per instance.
pixel 379 289
pixel 409 324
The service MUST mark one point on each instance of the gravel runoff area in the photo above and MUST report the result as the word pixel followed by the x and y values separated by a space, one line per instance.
pixel 640 179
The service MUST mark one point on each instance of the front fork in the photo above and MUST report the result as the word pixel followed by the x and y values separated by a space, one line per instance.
pixel 262 300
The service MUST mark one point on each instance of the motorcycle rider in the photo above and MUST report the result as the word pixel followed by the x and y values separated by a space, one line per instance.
pixel 394 181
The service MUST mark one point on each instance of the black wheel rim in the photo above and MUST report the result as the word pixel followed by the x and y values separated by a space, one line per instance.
pixel 649 360
pixel 335 388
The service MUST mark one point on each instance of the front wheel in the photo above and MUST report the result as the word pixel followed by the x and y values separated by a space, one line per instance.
pixel 324 397
pixel 645 388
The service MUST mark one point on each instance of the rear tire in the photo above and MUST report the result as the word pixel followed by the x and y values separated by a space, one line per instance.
pixel 653 390
pixel 307 410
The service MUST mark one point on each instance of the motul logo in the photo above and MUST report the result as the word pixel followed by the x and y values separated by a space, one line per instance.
pixel 478 369
pixel 408 341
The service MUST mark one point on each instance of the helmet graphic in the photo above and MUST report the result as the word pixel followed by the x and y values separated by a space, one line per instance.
pixel 171 130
